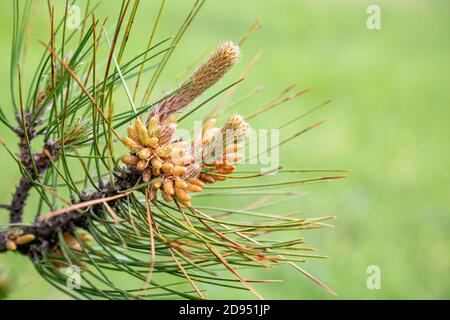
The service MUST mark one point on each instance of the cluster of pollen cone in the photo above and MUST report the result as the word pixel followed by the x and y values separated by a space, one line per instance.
pixel 176 168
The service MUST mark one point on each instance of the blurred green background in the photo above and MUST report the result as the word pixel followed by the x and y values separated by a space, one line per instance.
pixel 388 122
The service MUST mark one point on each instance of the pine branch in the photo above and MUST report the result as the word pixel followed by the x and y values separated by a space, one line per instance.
pixel 43 233
pixel 140 221
pixel 34 163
